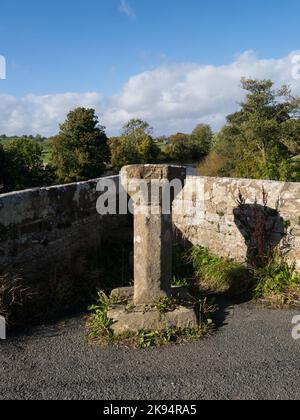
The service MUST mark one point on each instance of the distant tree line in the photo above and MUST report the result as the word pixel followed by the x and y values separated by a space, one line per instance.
pixel 21 165
pixel 81 150
pixel 4 138
pixel 261 140
pixel 137 145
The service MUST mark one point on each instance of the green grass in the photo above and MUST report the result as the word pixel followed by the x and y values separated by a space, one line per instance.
pixel 277 283
pixel 46 151
pixel 219 275
pixel 46 146
pixel 297 159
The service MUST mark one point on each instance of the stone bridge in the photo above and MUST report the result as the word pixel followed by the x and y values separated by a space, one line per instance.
pixel 43 230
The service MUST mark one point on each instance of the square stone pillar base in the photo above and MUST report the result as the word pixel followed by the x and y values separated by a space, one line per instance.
pixel 136 318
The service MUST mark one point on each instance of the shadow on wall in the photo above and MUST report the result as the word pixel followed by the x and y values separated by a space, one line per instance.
pixel 262 228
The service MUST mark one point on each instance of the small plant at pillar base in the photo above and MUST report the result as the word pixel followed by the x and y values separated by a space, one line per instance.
pixel 181 282
pixel 166 304
pixel 99 326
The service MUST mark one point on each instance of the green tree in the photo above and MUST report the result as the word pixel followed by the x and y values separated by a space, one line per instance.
pixel 137 128
pixel 80 150
pixel 202 137
pixel 180 148
pixel 134 146
pixel 260 140
pixel 22 165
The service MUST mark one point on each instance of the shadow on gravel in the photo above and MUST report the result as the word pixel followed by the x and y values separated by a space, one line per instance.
pixel 50 327
pixel 225 304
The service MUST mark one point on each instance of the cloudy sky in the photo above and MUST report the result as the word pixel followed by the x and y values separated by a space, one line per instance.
pixel 174 63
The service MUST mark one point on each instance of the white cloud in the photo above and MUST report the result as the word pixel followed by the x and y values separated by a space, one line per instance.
pixel 2 67
pixel 171 97
pixel 126 8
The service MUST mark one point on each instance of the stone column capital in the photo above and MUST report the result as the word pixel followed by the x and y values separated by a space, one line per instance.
pixel 153 172
pixel 147 184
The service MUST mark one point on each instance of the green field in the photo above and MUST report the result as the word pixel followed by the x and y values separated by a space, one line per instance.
pixel 46 151
pixel 44 143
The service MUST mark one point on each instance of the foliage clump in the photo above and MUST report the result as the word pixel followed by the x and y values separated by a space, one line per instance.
pixel 21 165
pixel 278 282
pixel 262 138
pixel 134 146
pixel 80 150
pixel 219 275
pixel 190 147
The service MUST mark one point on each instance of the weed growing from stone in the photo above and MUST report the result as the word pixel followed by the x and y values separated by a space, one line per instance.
pixel 181 282
pixel 100 323
pixel 205 309
pixel 166 304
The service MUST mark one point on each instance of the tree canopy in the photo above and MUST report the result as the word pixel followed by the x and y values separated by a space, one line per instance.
pixel 193 147
pixel 134 146
pixel 260 140
pixel 202 137
pixel 21 165
pixel 80 150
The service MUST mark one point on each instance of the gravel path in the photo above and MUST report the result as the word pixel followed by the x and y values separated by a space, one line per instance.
pixel 252 356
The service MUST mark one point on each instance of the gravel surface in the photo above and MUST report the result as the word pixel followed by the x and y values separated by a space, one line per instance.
pixel 251 356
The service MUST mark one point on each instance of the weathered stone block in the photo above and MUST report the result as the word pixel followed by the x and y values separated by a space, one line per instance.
pixel 136 320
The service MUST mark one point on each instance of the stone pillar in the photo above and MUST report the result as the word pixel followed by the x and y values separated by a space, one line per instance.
pixel 149 188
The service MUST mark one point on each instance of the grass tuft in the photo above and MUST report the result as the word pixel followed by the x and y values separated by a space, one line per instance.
pixel 14 294
pixel 219 275
pixel 277 283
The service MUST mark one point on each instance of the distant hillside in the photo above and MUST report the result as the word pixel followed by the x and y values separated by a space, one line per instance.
pixel 42 140
pixel 5 139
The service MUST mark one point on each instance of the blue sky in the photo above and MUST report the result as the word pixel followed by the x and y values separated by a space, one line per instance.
pixel 96 47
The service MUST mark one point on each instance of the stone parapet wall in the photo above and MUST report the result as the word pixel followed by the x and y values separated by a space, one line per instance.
pixel 45 230
pixel 205 212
